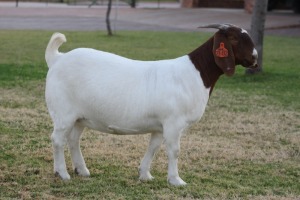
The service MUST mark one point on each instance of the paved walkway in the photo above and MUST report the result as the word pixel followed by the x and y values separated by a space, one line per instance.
pixel 147 16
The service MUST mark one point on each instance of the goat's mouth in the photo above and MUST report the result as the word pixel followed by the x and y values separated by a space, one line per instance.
pixel 255 65
pixel 251 65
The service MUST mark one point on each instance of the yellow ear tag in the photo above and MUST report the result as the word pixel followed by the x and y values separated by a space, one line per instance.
pixel 222 52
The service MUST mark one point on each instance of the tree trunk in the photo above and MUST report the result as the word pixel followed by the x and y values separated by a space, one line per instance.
pixel 257 31
pixel 109 32
pixel 132 3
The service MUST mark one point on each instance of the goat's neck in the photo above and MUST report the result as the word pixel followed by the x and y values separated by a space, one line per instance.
pixel 204 61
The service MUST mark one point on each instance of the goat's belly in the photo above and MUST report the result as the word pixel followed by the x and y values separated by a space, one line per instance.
pixel 122 129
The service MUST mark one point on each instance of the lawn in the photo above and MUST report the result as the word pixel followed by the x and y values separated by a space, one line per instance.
pixel 246 146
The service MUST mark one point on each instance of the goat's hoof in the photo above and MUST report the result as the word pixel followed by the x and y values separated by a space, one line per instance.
pixel 146 176
pixel 176 181
pixel 82 172
pixel 63 176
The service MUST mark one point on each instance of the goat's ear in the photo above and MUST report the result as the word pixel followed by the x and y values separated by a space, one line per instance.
pixel 223 54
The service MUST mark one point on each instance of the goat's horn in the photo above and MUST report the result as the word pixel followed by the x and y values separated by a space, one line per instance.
pixel 217 26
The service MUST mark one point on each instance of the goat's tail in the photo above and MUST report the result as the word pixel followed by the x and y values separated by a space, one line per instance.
pixel 52 53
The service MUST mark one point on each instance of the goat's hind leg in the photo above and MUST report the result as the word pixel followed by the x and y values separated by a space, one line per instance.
pixel 58 138
pixel 154 144
pixel 74 145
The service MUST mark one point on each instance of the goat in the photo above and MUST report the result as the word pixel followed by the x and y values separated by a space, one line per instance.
pixel 117 95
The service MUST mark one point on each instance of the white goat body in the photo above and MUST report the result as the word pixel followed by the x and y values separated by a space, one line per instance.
pixel 113 94
pixel 117 95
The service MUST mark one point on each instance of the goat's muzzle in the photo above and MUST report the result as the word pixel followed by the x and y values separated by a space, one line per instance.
pixel 253 66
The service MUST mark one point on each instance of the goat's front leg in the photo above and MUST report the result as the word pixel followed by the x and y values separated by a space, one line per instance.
pixel 154 144
pixel 172 138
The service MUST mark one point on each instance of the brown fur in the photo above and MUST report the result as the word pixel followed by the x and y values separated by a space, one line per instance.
pixel 211 66
pixel 203 59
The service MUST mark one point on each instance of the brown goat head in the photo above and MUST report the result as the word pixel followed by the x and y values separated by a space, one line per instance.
pixel 232 46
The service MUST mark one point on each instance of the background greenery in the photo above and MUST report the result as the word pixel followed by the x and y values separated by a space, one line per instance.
pixel 247 145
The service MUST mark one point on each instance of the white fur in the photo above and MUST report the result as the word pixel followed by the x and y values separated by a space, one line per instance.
pixel 113 94
pixel 244 31
pixel 255 55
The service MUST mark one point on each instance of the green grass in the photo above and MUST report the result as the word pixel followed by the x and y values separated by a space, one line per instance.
pixel 247 145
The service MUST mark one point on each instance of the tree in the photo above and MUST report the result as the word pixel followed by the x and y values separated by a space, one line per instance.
pixel 257 31
pixel 108 27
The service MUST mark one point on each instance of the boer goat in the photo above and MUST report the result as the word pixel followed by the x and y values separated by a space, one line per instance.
pixel 117 95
